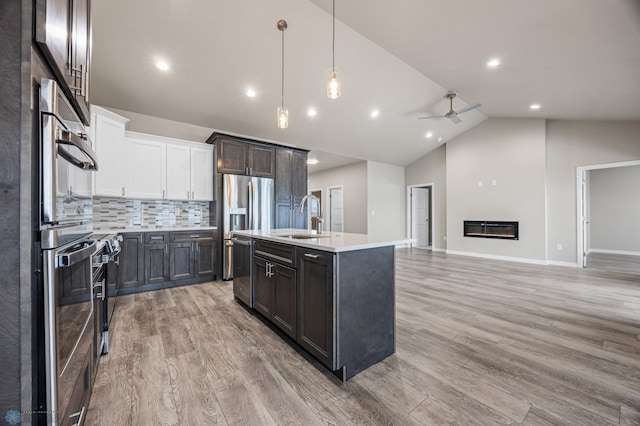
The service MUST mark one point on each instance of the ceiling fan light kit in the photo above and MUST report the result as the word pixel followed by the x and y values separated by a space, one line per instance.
pixel 283 113
pixel 333 82
pixel 453 115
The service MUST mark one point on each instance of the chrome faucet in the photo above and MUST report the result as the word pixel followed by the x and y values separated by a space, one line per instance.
pixel 319 218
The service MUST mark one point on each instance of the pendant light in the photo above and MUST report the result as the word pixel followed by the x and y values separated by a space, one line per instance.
pixel 333 83
pixel 283 113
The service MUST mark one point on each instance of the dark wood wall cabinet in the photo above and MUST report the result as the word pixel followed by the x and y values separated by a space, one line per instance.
pixel 153 260
pixel 241 157
pixel 291 187
pixel 70 56
pixel 339 307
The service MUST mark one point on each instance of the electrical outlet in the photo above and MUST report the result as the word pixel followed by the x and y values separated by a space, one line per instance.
pixel 559 246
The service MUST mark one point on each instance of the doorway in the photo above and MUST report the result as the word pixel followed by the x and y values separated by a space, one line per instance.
pixel 315 209
pixel 420 224
pixel 583 218
pixel 336 208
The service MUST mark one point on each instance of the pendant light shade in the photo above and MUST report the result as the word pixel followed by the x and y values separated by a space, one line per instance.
pixel 333 82
pixel 283 113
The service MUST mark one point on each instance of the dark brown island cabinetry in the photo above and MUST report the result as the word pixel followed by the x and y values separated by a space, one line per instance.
pixel 338 306
pixel 291 187
pixel 275 285
pixel 239 157
pixel 69 56
pixel 154 260
pixel 316 290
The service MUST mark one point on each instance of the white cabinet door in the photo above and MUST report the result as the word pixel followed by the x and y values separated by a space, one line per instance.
pixel 178 172
pixel 202 173
pixel 146 168
pixel 109 179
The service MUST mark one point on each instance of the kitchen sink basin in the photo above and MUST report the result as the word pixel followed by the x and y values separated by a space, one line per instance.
pixel 303 236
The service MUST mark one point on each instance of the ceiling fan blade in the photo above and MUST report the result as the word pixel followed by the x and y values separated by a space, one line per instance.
pixel 434 116
pixel 455 119
pixel 469 108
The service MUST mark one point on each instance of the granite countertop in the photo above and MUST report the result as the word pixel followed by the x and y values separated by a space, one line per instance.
pixel 326 241
pixel 166 229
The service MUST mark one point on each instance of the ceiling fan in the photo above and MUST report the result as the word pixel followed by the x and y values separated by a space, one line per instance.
pixel 453 115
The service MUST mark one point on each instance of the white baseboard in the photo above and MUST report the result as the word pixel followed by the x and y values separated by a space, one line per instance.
pixel 496 257
pixel 558 263
pixel 438 249
pixel 622 252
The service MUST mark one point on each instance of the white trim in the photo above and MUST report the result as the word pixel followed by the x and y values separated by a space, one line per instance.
pixel 328 196
pixel 622 252
pixel 565 264
pixel 432 197
pixel 441 250
pixel 579 225
pixel 496 257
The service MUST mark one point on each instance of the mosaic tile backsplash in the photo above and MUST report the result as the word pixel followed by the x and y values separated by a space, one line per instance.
pixel 118 212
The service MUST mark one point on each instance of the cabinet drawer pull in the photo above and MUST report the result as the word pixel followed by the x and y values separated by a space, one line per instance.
pixel 313 256
pixel 157 237
pixel 194 236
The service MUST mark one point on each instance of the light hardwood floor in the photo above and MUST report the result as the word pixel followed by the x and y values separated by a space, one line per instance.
pixel 478 342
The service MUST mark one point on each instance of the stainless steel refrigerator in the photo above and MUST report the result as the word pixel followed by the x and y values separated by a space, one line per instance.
pixel 247 203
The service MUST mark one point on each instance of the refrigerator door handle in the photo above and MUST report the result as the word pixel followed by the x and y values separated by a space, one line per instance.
pixel 250 221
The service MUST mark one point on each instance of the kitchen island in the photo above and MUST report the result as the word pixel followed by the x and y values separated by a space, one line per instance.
pixel 331 293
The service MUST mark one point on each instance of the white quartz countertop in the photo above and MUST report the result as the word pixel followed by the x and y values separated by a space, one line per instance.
pixel 326 241
pixel 167 229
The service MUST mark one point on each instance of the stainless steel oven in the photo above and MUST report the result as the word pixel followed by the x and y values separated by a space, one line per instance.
pixel 66 163
pixel 68 295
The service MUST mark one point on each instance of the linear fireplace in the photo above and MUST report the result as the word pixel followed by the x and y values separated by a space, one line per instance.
pixel 491 229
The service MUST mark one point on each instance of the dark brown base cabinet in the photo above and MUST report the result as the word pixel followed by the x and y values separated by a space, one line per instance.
pixel 153 260
pixel 339 307
pixel 275 294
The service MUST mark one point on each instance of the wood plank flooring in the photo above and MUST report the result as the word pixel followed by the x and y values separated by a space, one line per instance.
pixel 479 342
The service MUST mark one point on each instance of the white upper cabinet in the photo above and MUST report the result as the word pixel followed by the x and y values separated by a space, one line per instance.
pixel 146 161
pixel 189 171
pixel 107 130
pixel 178 172
pixel 142 166
pixel 202 173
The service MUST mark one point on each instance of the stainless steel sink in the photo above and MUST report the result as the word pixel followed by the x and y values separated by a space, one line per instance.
pixel 303 236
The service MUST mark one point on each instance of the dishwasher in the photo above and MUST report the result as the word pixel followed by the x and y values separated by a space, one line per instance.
pixel 242 288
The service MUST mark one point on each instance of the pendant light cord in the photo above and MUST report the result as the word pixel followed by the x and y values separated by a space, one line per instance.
pixel 333 47
pixel 282 86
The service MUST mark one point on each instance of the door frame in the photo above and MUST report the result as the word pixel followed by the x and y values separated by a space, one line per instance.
pixel 328 196
pixel 580 200
pixel 432 187
pixel 321 212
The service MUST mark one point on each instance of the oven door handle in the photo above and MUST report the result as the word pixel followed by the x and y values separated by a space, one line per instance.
pixel 70 138
pixel 71 258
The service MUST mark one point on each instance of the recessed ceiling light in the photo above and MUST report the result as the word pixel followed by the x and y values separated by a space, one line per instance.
pixel 439 139
pixel 162 65
pixel 251 93
pixel 494 62
pixel 429 135
pixel 375 113
pixel 312 161
pixel 312 112
pixel 534 106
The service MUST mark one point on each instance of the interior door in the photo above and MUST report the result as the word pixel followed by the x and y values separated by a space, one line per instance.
pixel 336 209
pixel 420 216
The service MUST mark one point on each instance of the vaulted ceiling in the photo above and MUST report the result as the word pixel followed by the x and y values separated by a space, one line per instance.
pixel 577 59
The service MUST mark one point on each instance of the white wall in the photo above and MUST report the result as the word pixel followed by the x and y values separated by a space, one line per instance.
pixel 385 201
pixel 432 168
pixel 353 178
pixel 510 152
pixel 615 209
pixel 571 144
